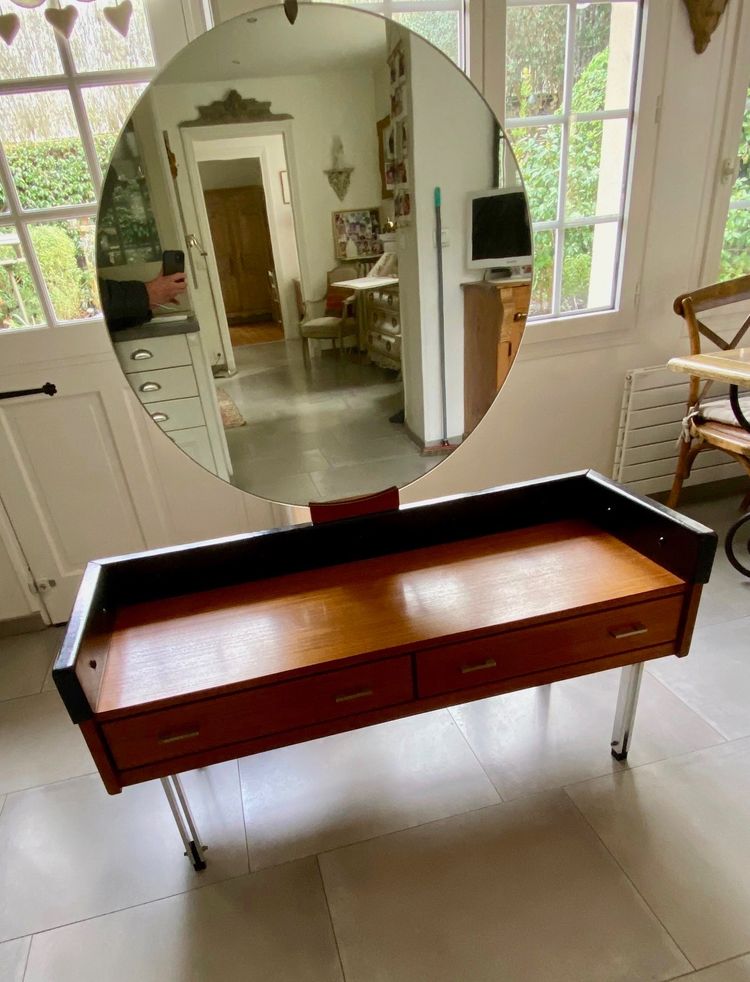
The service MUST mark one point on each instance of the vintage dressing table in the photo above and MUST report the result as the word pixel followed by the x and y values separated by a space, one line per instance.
pixel 190 655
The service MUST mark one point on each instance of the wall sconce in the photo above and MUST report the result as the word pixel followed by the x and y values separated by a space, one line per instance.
pixel 339 175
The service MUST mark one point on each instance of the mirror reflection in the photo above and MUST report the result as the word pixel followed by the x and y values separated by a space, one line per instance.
pixel 314 253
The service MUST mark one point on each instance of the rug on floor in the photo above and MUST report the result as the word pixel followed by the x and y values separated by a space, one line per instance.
pixel 230 414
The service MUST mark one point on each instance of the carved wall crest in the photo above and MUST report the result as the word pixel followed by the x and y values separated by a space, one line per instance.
pixel 234 109
pixel 704 19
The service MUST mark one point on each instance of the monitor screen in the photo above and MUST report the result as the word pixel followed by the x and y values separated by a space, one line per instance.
pixel 500 227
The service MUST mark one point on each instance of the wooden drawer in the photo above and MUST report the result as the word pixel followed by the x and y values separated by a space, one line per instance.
pixel 165 383
pixel 521 652
pixel 177 414
pixel 229 719
pixel 151 353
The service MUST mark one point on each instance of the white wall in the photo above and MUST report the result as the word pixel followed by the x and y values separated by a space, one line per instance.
pixel 452 139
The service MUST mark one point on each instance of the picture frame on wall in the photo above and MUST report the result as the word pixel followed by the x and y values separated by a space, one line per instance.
pixel 356 234
pixel 386 155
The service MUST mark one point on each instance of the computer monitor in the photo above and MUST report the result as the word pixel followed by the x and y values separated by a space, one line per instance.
pixel 499 229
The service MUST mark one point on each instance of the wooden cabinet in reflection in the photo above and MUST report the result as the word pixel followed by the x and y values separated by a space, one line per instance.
pixel 494 319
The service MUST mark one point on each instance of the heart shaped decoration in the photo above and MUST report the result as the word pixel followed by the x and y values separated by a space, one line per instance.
pixel 119 17
pixel 63 20
pixel 10 25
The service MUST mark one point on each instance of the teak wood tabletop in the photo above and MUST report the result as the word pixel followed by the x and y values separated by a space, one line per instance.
pixel 254 633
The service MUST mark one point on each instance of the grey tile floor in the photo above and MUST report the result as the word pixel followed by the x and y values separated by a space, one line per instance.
pixel 495 842
pixel 317 434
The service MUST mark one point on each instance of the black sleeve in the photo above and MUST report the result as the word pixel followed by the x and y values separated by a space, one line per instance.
pixel 124 303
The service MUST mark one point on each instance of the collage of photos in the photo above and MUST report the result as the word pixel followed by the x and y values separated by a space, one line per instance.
pixel 356 234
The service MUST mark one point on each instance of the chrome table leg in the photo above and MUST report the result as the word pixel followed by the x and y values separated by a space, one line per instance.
pixel 627 703
pixel 183 817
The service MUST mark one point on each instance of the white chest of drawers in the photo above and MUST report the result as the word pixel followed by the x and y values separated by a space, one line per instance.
pixel 171 377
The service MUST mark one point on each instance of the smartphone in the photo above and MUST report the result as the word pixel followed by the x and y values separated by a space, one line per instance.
pixel 173 261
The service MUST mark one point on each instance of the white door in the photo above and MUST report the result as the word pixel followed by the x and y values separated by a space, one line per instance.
pixel 75 480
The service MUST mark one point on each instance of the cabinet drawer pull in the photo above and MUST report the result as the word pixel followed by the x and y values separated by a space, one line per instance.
pixel 149 387
pixel 159 417
pixel 362 694
pixel 490 663
pixel 141 354
pixel 179 736
pixel 628 632
pixel 518 316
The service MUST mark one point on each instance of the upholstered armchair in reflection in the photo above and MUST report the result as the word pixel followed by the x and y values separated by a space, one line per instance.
pixel 338 320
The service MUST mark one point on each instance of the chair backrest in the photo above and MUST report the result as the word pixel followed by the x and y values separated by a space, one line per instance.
pixel 688 305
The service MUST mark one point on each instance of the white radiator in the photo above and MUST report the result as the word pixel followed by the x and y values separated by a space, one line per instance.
pixel 653 404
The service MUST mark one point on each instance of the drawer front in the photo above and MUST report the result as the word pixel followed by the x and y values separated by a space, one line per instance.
pixel 151 353
pixel 385 345
pixel 177 414
pixel 256 712
pixel 533 649
pixel 165 383
pixel 386 323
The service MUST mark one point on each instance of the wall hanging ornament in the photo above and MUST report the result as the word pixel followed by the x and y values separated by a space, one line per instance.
pixel 119 17
pixel 10 25
pixel 704 19
pixel 63 20
pixel 339 175
pixel 291 9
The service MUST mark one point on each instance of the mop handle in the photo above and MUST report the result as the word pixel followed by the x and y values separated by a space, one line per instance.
pixel 441 313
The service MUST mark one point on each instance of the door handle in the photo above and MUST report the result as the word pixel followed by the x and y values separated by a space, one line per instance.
pixel 48 389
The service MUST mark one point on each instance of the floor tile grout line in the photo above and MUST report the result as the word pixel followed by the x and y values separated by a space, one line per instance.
pixel 723 961
pixel 627 767
pixel 120 910
pixel 244 818
pixel 50 784
pixel 28 956
pixel 330 917
pixel 688 707
pixel 474 753
pixel 630 881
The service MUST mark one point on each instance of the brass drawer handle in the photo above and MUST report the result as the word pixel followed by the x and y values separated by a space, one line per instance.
pixel 362 694
pixel 159 417
pixel 179 736
pixel 490 663
pixel 149 387
pixel 141 354
pixel 630 632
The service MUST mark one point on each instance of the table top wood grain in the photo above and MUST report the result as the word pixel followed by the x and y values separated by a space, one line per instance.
pixel 219 640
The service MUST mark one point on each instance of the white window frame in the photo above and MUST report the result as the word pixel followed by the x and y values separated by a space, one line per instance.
pixel 548 335
pixel 735 101
pixel 165 42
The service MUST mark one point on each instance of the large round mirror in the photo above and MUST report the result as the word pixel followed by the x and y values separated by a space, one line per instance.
pixel 314 253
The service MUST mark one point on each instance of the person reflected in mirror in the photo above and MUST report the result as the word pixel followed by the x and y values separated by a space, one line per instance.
pixel 130 303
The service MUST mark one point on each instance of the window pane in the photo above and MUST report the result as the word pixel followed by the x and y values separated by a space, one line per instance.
pixel 34 51
pixel 589 256
pixel 541 290
pixel 65 251
pixel 108 108
pixel 3 199
pixel 537 150
pixel 44 150
pixel 96 46
pixel 596 163
pixel 438 27
pixel 735 251
pixel 605 48
pixel 535 60
pixel 19 304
